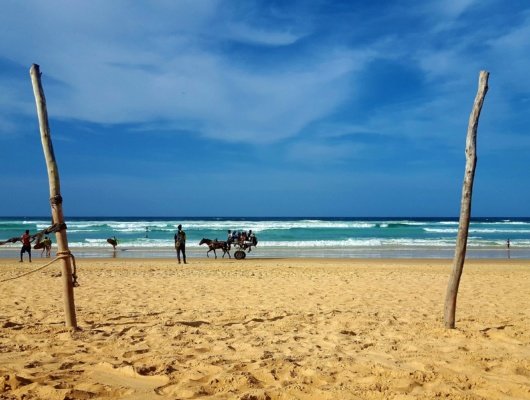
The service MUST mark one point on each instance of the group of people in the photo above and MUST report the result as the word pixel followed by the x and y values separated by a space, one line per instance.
pixel 180 242
pixel 26 239
pixel 233 236
pixel 240 236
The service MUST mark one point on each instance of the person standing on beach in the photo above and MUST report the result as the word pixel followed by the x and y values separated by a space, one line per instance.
pixel 47 242
pixel 180 244
pixel 113 242
pixel 26 245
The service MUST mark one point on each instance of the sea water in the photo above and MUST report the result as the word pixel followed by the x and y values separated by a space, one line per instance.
pixel 286 237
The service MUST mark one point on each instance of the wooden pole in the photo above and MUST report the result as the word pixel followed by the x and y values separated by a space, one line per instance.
pixel 465 205
pixel 55 197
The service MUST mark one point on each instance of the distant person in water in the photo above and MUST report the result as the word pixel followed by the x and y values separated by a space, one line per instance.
pixel 26 245
pixel 508 244
pixel 180 244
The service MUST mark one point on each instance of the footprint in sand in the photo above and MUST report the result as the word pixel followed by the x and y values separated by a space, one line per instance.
pixel 129 354
pixel 126 377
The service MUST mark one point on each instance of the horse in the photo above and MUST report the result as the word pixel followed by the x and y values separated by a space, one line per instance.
pixel 216 244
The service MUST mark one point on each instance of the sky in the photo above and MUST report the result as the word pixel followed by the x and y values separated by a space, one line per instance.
pixel 265 108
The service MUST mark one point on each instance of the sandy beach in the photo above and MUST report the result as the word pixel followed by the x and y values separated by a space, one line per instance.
pixel 266 329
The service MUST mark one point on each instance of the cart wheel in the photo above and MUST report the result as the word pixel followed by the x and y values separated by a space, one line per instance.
pixel 239 255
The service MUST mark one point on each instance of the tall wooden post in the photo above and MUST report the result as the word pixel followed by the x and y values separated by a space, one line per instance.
pixel 55 197
pixel 465 205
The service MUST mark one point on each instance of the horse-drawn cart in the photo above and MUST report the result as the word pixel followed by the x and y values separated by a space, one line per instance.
pixel 243 243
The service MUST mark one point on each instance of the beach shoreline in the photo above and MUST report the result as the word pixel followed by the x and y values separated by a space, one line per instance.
pixel 266 328
pixel 367 252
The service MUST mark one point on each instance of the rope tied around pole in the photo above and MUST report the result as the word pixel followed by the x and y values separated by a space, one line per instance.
pixel 65 254
pixel 55 200
pixel 57 227
pixel 60 255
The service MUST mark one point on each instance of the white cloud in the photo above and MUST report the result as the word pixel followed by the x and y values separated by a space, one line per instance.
pixel 145 62
pixel 322 153
pixel 454 8
pixel 127 71
pixel 157 63
pixel 6 126
pixel 445 16
pixel 510 53
pixel 272 37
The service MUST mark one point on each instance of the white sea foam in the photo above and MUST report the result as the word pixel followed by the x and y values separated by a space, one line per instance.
pixel 371 242
pixel 350 243
pixel 476 230
pixel 153 246
pixel 256 226
pixel 260 226
pixel 487 230
pixel 292 235
pixel 441 230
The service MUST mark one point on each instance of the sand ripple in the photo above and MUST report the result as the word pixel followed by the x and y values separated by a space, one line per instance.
pixel 267 329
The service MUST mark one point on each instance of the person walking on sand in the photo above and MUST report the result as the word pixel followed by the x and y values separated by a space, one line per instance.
pixel 180 244
pixel 47 242
pixel 113 242
pixel 26 245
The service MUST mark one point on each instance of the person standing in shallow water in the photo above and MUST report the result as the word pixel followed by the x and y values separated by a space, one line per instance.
pixel 180 244
pixel 26 245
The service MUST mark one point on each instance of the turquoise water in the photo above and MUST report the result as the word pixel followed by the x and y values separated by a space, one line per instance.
pixel 288 237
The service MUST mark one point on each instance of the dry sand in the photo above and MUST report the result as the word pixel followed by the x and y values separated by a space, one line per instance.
pixel 266 329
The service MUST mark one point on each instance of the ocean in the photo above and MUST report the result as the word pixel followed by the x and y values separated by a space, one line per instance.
pixel 286 237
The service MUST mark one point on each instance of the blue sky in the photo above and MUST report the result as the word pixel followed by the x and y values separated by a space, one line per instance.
pixel 265 108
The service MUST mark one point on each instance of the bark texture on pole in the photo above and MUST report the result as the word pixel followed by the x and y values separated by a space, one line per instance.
pixel 55 197
pixel 465 206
